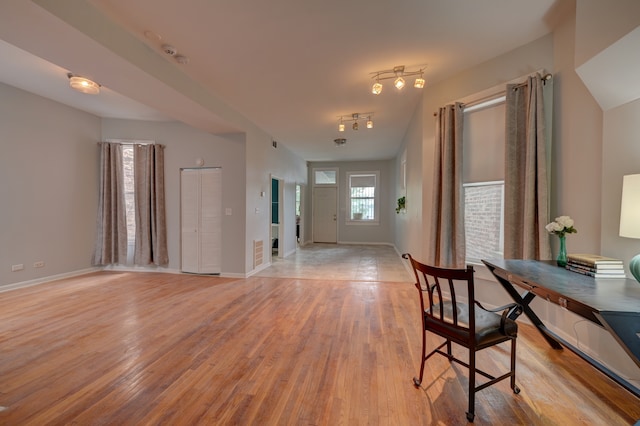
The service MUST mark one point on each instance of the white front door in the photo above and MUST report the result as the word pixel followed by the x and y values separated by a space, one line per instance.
pixel 325 214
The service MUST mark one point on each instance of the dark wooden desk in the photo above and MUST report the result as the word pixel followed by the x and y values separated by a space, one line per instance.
pixel 612 303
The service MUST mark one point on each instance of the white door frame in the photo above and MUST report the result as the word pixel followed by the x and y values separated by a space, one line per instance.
pixel 303 199
pixel 280 236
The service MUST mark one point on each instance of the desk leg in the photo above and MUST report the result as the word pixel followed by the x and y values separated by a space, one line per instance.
pixel 524 300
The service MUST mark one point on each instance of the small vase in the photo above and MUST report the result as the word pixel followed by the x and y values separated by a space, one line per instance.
pixel 561 260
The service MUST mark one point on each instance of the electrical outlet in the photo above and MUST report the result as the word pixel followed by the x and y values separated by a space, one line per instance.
pixel 18 267
pixel 38 264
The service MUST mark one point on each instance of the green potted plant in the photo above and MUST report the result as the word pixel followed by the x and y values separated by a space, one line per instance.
pixel 401 204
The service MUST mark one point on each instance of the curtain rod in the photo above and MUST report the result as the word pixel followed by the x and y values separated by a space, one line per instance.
pixel 545 78
pixel 131 141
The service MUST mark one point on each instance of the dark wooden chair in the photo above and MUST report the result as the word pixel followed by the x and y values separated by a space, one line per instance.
pixel 467 324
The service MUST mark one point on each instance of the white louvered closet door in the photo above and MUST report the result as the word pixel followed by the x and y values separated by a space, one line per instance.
pixel 201 220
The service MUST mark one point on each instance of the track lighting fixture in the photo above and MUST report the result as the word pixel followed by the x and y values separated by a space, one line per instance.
pixel 355 117
pixel 398 73
pixel 82 84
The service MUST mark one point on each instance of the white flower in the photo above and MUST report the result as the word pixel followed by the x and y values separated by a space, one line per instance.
pixel 561 226
pixel 553 227
pixel 564 221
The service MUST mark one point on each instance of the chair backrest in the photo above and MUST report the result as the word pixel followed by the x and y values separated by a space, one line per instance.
pixel 439 299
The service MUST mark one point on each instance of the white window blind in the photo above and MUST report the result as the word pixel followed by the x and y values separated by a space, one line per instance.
pixel 483 144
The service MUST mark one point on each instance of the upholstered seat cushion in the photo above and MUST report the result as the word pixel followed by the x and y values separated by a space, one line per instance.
pixel 490 327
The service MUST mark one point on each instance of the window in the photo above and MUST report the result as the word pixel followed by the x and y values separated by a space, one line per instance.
pixel 325 177
pixel 129 193
pixel 483 174
pixel 483 220
pixel 362 204
pixel 126 146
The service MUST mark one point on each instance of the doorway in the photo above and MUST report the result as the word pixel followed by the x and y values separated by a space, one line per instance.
pixel 277 226
pixel 300 203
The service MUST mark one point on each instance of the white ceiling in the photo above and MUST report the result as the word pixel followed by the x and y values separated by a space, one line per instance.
pixel 289 66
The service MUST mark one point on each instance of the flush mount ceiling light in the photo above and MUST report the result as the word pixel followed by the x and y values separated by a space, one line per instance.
pixel 340 141
pixel 355 117
pixel 398 73
pixel 84 85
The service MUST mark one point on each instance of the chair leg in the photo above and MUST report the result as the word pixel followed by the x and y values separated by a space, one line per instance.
pixel 515 388
pixel 418 380
pixel 472 385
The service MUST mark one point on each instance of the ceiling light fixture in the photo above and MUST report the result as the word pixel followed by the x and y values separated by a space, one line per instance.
pixel 340 141
pixel 398 73
pixel 82 84
pixel 355 117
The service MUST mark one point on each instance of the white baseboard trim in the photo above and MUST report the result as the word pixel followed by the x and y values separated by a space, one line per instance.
pixel 258 269
pixel 118 268
pixel 129 268
pixel 122 268
pixel 289 253
pixel 30 283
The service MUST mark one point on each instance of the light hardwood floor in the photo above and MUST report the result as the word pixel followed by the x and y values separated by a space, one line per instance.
pixel 149 348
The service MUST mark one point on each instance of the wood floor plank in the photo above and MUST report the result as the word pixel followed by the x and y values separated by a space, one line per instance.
pixel 149 348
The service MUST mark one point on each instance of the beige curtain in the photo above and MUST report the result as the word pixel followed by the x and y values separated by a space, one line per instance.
pixel 447 243
pixel 111 224
pixel 526 190
pixel 151 228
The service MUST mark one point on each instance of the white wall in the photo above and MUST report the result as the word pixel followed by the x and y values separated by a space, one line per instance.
pixel 408 225
pixel 519 62
pixel 381 233
pixel 599 29
pixel 48 181
pixel 264 161
pixel 620 156
pixel 601 23
pixel 184 145
pixel 591 151
pixel 576 159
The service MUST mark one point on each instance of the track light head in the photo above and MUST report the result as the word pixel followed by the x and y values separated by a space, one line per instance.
pixel 377 88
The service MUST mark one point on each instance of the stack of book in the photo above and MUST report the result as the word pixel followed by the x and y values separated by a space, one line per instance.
pixel 595 265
